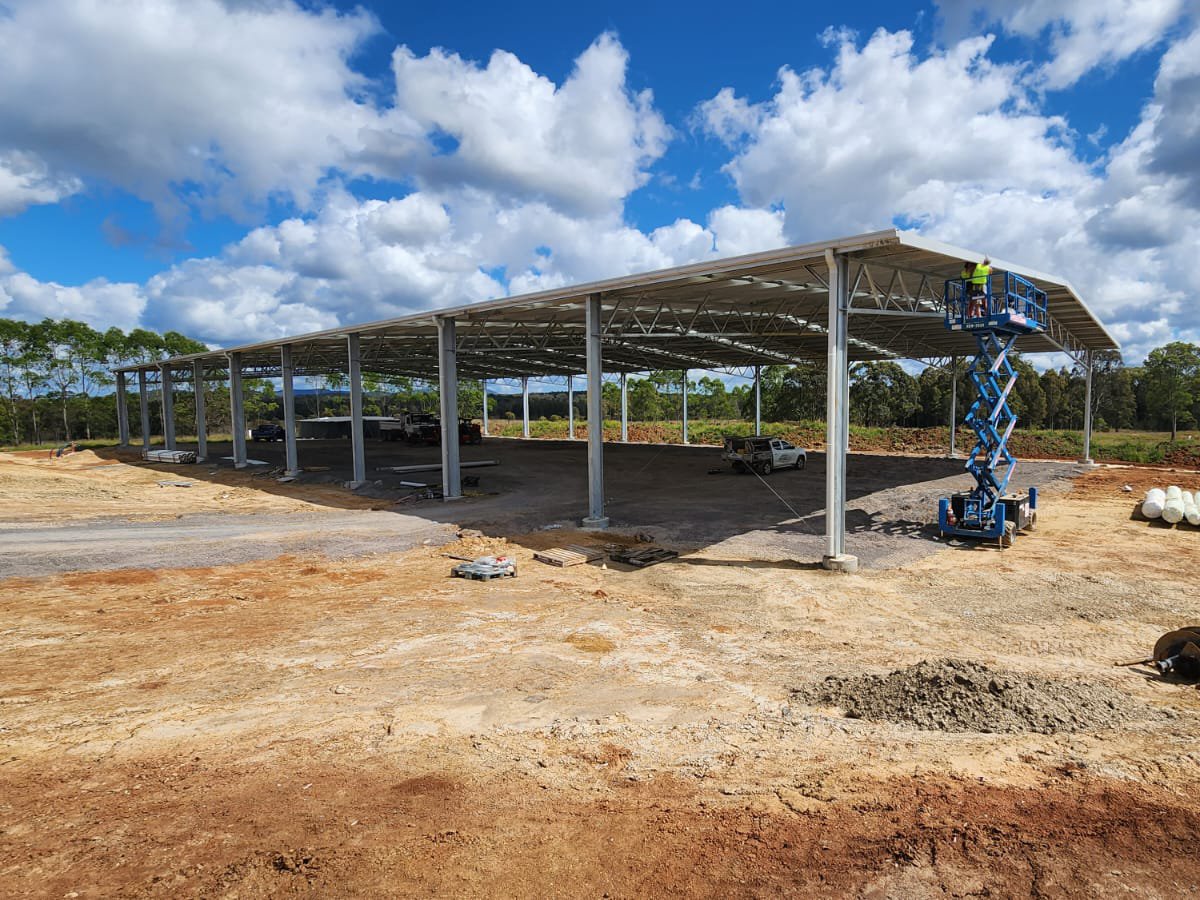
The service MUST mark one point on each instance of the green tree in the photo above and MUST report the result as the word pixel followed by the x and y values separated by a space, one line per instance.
pixel 1054 391
pixel 882 393
pixel 1113 403
pixel 1173 382
pixel 644 402
pixel 1027 399
pixel 13 335
pixel 34 364
pixel 792 393
pixel 713 400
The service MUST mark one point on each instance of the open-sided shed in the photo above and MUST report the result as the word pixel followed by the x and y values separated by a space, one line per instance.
pixel 870 297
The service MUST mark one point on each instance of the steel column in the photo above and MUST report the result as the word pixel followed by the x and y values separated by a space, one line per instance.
pixel 237 411
pixel 448 387
pixel 595 415
pixel 485 409
pixel 953 405
pixel 201 412
pixel 624 408
pixel 122 411
pixel 570 407
pixel 287 373
pixel 524 406
pixel 357 436
pixel 1087 409
pixel 836 416
pixel 685 416
pixel 758 399
pixel 144 401
pixel 168 406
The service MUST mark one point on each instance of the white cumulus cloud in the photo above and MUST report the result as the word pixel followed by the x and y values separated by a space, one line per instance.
pixel 1081 35
pixel 199 102
pixel 581 146
pixel 955 145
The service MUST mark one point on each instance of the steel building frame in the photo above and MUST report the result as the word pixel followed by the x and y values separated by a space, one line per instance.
pixel 873 296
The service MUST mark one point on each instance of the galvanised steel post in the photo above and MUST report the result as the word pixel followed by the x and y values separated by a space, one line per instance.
pixel 953 405
pixel 201 412
pixel 448 387
pixel 837 416
pixel 1087 408
pixel 685 415
pixel 237 411
pixel 357 436
pixel 595 416
pixel 144 401
pixel 122 411
pixel 570 407
pixel 624 408
pixel 168 406
pixel 758 399
pixel 525 406
pixel 287 373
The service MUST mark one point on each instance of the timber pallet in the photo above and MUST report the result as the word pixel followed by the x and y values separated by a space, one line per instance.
pixel 639 558
pixel 570 555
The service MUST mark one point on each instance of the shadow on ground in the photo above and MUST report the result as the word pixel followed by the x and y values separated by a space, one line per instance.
pixel 683 496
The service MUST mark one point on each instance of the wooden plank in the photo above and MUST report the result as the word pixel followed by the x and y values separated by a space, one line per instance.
pixel 571 555
pixel 640 558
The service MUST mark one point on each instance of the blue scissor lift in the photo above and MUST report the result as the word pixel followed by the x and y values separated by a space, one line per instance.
pixel 997 313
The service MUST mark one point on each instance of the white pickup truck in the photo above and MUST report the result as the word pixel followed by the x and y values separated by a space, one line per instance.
pixel 416 428
pixel 763 454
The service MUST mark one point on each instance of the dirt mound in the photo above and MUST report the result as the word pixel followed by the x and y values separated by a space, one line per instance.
pixel 958 695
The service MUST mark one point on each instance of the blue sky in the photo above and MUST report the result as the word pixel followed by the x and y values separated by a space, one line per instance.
pixel 245 170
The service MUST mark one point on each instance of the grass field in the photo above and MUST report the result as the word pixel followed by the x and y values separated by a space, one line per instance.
pixel 1146 447
pixel 1143 447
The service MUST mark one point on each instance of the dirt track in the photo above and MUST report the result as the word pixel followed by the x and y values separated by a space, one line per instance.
pixel 366 725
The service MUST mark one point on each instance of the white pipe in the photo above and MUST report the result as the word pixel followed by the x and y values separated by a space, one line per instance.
pixel 1173 511
pixel 1152 506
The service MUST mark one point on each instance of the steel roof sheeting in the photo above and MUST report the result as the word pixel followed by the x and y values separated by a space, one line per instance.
pixel 761 308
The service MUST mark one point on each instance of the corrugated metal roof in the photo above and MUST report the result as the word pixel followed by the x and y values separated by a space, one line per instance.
pixel 762 308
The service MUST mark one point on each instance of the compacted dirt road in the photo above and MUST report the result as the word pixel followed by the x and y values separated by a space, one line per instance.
pixel 360 724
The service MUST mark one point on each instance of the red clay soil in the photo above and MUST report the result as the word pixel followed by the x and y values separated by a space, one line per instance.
pixel 185 828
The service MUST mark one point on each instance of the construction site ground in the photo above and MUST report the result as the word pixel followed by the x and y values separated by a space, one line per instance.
pixel 244 687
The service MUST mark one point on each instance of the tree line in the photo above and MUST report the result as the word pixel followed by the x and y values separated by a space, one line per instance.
pixel 57 385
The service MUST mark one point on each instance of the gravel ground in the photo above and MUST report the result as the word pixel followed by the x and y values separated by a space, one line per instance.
pixel 208 540
pixel 685 496
pixel 960 696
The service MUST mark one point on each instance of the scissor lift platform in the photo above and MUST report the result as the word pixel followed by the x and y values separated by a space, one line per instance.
pixel 997 318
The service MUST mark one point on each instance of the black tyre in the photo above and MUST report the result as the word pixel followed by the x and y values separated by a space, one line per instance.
pixel 765 468
pixel 800 463
pixel 1010 533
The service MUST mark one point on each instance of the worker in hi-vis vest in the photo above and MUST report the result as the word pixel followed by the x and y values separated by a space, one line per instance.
pixel 979 284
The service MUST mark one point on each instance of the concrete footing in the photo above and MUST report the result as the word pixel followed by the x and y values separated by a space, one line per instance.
pixel 1087 461
pixel 842 563
pixel 595 523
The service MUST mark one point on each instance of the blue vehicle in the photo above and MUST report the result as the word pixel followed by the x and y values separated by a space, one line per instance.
pixel 268 431
pixel 997 311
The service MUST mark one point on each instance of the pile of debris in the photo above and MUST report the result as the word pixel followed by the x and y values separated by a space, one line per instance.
pixel 960 696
